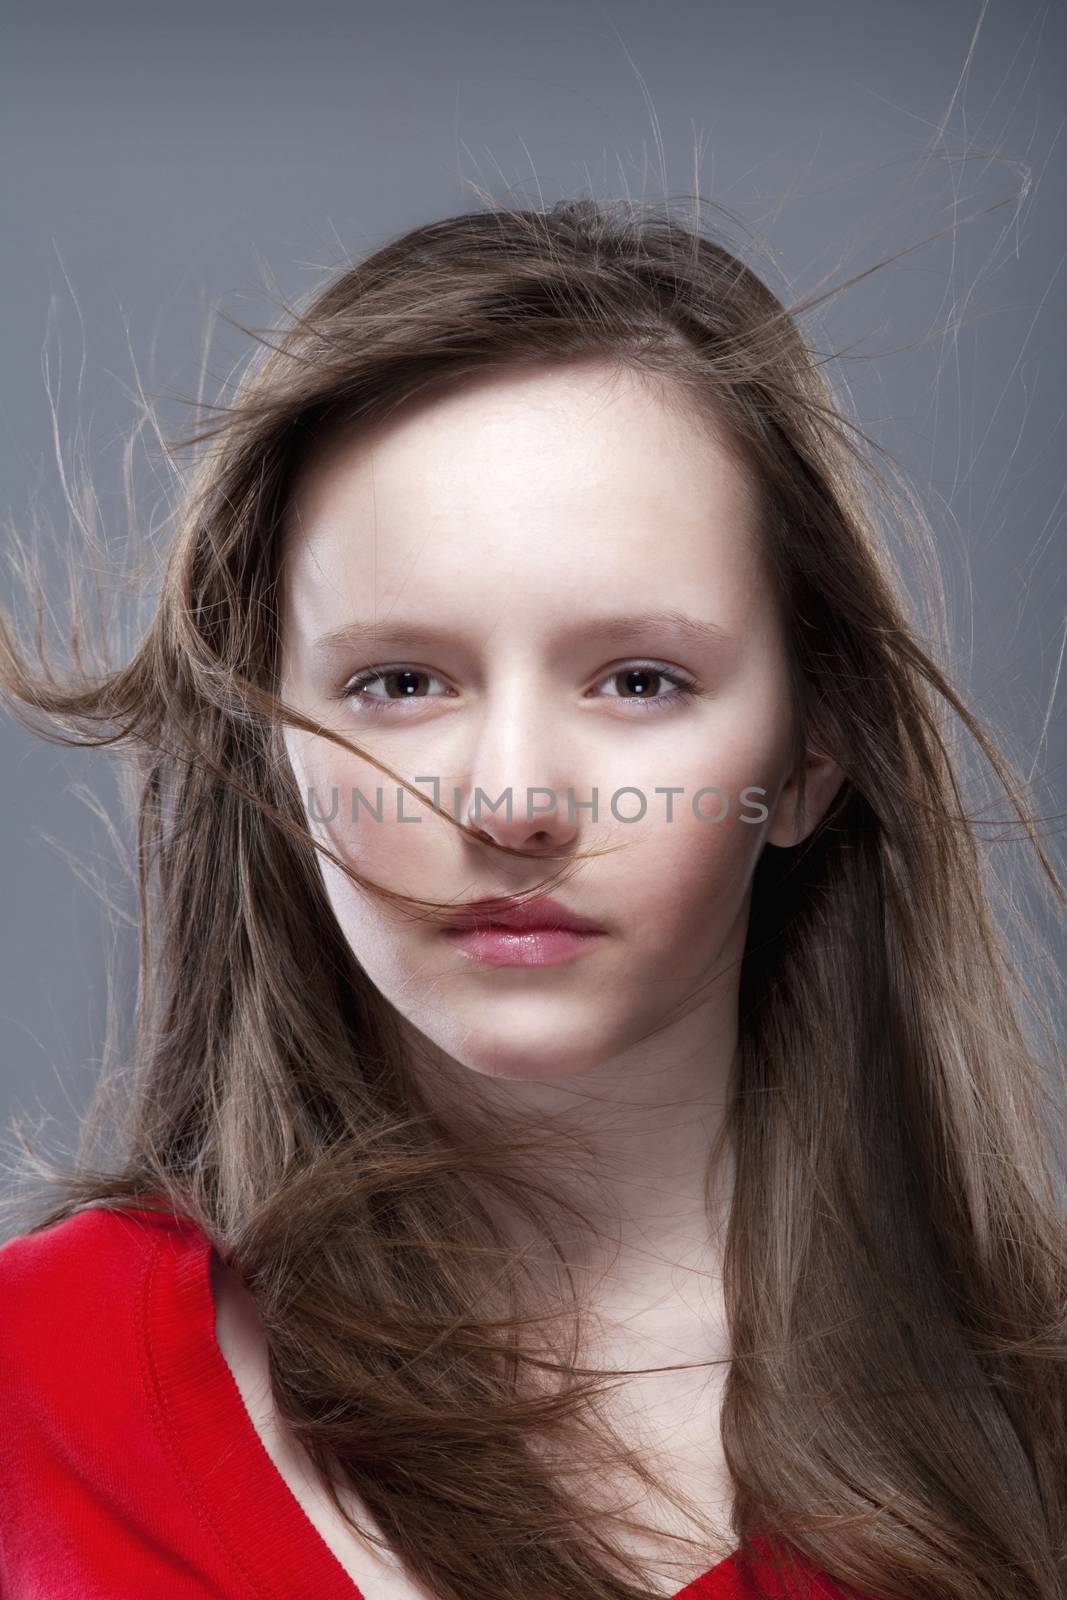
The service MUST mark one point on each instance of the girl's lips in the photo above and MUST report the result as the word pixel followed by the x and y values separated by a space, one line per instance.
pixel 527 947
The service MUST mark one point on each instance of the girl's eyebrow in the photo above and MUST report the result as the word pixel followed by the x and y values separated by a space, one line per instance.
pixel 602 629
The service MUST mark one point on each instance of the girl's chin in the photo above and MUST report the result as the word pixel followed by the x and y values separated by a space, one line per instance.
pixel 543 1067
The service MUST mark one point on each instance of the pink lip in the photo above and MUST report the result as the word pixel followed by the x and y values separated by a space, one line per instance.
pixel 523 915
pixel 526 947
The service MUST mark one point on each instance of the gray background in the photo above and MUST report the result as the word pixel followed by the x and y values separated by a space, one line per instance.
pixel 161 160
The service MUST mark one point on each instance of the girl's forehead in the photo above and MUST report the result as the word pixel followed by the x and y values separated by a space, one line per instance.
pixel 566 442
pixel 520 571
pixel 554 483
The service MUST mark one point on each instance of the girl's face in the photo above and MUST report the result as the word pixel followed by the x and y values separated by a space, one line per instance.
pixel 517 561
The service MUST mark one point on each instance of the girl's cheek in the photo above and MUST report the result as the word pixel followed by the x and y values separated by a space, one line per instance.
pixel 701 870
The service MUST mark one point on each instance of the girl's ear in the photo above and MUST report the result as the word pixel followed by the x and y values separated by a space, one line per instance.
pixel 822 779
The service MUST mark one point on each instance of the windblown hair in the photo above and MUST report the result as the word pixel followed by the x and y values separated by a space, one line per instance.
pixel 895 1407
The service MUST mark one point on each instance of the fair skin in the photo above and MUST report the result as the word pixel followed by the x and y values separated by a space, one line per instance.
pixel 513 514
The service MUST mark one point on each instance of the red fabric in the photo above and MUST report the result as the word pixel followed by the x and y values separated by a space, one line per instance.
pixel 129 1467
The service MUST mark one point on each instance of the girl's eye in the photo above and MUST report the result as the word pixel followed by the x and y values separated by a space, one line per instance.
pixel 639 682
pixel 405 679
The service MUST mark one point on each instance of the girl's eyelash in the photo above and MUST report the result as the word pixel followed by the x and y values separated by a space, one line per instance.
pixel 684 686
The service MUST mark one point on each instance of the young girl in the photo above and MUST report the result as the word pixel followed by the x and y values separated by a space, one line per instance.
pixel 582 1142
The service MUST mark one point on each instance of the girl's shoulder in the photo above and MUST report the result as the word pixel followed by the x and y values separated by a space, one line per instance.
pixel 87 1254
pixel 71 1292
pixel 84 1450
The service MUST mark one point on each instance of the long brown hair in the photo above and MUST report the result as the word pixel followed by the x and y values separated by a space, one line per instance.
pixel 896 1254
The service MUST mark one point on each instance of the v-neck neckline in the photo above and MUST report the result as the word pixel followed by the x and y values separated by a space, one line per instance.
pixel 255 1516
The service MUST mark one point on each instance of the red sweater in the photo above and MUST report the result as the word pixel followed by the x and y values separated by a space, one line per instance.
pixel 129 1467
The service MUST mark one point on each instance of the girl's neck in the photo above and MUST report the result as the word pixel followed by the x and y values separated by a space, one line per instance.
pixel 637 1144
